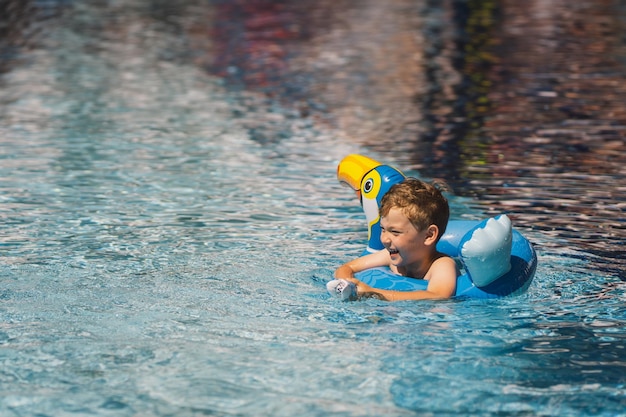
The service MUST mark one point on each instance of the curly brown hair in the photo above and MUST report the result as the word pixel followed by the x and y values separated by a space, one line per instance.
pixel 422 203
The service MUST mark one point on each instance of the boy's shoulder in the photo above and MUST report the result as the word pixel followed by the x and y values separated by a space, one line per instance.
pixel 444 263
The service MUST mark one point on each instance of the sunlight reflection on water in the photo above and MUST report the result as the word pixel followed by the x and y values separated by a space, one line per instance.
pixel 165 244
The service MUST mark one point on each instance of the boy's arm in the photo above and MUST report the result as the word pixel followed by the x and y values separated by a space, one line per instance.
pixel 441 285
pixel 372 260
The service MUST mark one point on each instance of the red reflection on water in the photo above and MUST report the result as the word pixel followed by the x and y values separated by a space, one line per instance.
pixel 251 40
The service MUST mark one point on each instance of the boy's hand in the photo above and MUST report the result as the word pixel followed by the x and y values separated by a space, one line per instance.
pixel 362 289
pixel 342 289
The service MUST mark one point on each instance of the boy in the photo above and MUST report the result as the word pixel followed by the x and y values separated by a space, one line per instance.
pixel 413 217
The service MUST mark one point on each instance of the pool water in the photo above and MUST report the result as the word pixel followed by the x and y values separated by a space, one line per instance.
pixel 162 254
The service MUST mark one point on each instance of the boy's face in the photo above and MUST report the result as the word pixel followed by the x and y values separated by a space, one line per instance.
pixel 403 241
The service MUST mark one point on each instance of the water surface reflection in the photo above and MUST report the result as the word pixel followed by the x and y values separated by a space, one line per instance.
pixel 132 247
pixel 519 105
pixel 516 104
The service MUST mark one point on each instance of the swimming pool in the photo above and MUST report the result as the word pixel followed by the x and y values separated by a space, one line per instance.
pixel 160 258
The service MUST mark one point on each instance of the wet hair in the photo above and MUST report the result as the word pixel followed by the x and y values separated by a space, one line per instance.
pixel 422 203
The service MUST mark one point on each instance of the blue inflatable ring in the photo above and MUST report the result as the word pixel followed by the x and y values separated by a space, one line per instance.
pixel 495 260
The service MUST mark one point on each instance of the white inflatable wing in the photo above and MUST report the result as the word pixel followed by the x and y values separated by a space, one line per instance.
pixel 486 250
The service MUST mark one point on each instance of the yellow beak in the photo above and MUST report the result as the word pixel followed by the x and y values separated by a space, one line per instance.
pixel 353 168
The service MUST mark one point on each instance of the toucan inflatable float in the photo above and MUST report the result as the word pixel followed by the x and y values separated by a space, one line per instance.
pixel 495 259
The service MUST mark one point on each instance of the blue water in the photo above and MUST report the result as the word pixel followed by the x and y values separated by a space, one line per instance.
pixel 158 259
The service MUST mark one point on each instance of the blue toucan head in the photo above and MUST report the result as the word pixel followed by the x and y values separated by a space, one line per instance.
pixel 371 180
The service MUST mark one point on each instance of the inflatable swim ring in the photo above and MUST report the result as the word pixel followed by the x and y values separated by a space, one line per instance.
pixel 495 260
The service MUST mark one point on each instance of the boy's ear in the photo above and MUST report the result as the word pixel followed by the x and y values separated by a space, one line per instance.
pixel 432 232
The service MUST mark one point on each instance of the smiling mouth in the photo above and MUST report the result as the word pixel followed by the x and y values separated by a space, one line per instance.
pixel 393 251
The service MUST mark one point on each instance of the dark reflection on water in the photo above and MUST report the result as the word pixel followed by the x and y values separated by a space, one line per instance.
pixel 518 104
pixel 553 132
pixel 594 356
